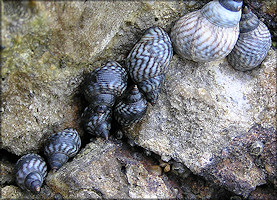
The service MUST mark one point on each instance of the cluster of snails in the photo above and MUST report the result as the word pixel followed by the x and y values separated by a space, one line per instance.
pixel 221 29
pixel 31 169
pixel 106 90
pixel 217 30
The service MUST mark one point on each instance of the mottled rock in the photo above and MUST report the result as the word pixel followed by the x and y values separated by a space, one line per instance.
pixel 202 108
pixel 11 192
pixel 6 173
pixel 104 169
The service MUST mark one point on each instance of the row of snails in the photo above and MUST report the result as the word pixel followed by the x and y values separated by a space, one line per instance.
pixel 105 88
pixel 31 169
pixel 221 28
pixel 213 32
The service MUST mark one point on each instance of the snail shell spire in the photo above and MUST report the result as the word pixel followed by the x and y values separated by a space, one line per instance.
pixel 148 60
pixel 30 172
pixel 61 146
pixel 209 33
pixel 253 43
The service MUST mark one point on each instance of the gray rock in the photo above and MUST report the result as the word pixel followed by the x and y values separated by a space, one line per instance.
pixel 202 108
pixel 105 169
pixel 6 171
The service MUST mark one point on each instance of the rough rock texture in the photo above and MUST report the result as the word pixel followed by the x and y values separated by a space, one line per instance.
pixel 104 169
pixel 205 111
pixel 6 173
pixel 202 108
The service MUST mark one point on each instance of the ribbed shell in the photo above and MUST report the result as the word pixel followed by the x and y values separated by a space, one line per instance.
pixel 253 44
pixel 34 166
pixel 105 84
pixel 148 61
pixel 61 146
pixel 95 123
pixel 131 108
pixel 207 34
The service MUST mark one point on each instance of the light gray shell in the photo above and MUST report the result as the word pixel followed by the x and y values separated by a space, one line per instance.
pixel 209 33
pixel 30 172
pixel 253 44
pixel 131 108
pixel 61 146
pixel 148 61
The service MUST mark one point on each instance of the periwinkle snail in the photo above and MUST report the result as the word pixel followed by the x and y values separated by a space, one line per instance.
pixel 209 33
pixel 101 89
pixel 30 172
pixel 253 44
pixel 131 108
pixel 148 61
pixel 61 146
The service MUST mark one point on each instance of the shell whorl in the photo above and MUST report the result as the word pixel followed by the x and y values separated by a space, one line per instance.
pixel 149 58
pixel 253 43
pixel 131 108
pixel 103 85
pixel 96 123
pixel 223 13
pixel 201 36
pixel 30 172
pixel 61 146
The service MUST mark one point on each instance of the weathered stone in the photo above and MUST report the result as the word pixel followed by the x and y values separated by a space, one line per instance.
pixel 11 192
pixel 6 173
pixel 103 169
pixel 204 106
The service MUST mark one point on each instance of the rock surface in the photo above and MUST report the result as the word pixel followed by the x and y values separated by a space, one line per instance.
pixel 104 169
pixel 208 116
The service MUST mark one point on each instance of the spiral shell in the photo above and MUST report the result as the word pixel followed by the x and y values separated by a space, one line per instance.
pixel 61 146
pixel 131 108
pixel 30 172
pixel 105 84
pixel 209 33
pixel 98 124
pixel 148 61
pixel 253 44
pixel 101 89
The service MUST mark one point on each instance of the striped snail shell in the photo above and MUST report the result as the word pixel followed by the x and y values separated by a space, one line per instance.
pixel 148 61
pixel 253 44
pixel 209 33
pixel 101 89
pixel 131 108
pixel 98 124
pixel 61 146
pixel 30 171
pixel 103 85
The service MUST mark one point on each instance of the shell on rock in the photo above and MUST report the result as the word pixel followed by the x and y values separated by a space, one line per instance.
pixel 103 85
pixel 209 33
pixel 61 146
pixel 148 61
pixel 131 108
pixel 30 172
pixel 253 44
pixel 98 124
pixel 101 88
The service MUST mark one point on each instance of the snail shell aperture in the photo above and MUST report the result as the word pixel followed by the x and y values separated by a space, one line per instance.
pixel 148 61
pixel 131 108
pixel 61 146
pixel 253 44
pixel 209 33
pixel 30 171
pixel 101 89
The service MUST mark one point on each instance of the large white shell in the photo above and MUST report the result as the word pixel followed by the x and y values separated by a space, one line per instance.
pixel 207 34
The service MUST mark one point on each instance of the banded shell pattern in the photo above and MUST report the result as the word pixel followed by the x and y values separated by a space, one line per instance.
pixel 131 108
pixel 253 44
pixel 148 61
pixel 61 146
pixel 209 33
pixel 30 172
pixel 101 89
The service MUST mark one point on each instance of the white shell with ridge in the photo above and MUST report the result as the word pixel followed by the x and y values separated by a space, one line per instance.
pixel 209 33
